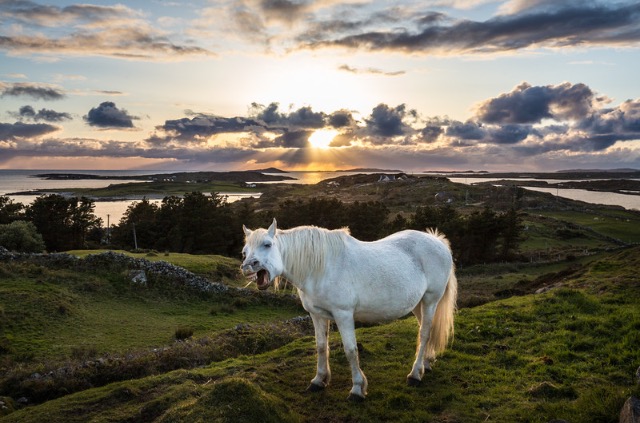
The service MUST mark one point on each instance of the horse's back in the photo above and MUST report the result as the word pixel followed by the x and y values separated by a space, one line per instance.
pixel 427 247
pixel 390 276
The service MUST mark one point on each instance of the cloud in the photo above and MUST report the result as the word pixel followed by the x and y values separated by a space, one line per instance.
pixel 202 126
pixel 29 89
pixel 84 29
pixel 544 125
pixel 532 104
pixel 47 115
pixel 107 115
pixel 386 122
pixel 564 24
pixel 29 12
pixel 370 71
pixel 13 131
pixel 341 119
pixel 302 118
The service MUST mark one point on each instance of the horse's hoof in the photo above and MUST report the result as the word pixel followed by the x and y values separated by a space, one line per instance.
pixel 411 381
pixel 355 398
pixel 315 388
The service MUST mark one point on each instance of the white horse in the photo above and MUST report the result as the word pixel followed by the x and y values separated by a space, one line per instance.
pixel 343 279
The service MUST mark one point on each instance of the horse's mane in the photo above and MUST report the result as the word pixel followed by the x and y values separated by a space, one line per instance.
pixel 305 250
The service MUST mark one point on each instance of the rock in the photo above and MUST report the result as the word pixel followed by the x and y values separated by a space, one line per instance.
pixel 630 412
pixel 138 277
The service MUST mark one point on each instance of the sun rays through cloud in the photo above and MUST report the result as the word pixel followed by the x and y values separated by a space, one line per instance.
pixel 322 138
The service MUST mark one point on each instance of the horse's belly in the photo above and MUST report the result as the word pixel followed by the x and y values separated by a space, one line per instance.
pixel 377 316
pixel 380 303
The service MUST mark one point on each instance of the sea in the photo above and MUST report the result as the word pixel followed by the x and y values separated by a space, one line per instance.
pixel 112 211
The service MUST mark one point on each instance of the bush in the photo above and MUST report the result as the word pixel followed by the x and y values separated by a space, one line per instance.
pixel 21 236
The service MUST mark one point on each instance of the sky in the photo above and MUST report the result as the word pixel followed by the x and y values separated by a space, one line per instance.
pixel 512 85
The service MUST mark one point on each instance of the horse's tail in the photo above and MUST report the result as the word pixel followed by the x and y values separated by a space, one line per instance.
pixel 442 326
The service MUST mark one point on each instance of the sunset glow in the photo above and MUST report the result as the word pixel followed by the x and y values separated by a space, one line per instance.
pixel 322 138
pixel 216 86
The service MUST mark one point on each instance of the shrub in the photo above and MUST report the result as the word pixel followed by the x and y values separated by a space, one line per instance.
pixel 22 237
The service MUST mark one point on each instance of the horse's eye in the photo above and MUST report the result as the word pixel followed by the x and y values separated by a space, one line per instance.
pixel 267 245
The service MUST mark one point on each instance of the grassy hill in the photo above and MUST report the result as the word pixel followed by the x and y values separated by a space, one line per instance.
pixel 569 352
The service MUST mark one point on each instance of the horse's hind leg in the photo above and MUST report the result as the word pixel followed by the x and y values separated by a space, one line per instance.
pixel 424 313
pixel 323 372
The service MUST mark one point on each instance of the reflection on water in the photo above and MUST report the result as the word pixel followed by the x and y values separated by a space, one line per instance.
pixel 595 197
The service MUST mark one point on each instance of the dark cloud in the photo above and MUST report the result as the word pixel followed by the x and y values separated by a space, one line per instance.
pixel 302 118
pixel 509 134
pixel 532 104
pixel 12 131
pixel 202 126
pixel 320 30
pixel 283 10
pixel 47 115
pixel 341 119
pixel 466 131
pixel 385 121
pixel 293 139
pixel 107 115
pixel 431 133
pixel 567 24
pixel 29 89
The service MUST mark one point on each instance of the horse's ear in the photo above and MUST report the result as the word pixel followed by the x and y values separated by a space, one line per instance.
pixel 272 228
pixel 247 231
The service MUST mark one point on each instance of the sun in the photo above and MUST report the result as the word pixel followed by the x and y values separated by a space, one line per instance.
pixel 322 138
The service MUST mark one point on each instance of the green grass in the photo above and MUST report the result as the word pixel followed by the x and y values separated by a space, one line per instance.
pixel 47 313
pixel 215 267
pixel 619 224
pixel 570 353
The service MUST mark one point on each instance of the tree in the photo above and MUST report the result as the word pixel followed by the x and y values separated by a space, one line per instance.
pixel 511 234
pixel 21 236
pixel 10 211
pixel 63 222
pixel 367 221
pixel 141 217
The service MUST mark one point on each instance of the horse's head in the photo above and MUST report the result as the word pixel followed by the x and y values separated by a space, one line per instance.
pixel 261 257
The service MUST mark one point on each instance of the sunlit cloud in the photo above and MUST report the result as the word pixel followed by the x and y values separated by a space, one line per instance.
pixel 84 29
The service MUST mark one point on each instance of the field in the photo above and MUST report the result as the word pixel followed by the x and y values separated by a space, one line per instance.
pixel 553 335
pixel 569 353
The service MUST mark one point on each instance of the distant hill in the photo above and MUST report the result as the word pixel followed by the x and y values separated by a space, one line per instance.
pixel 270 170
pixel 619 170
pixel 370 169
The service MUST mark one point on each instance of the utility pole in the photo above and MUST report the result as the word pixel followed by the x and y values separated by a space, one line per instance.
pixel 135 240
pixel 108 231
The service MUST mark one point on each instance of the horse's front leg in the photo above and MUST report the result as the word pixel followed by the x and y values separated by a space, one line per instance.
pixel 346 327
pixel 323 372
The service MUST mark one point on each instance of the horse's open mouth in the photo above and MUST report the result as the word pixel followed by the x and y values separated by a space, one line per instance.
pixel 262 279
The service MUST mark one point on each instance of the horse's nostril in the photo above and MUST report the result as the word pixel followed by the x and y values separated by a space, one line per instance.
pixel 255 263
